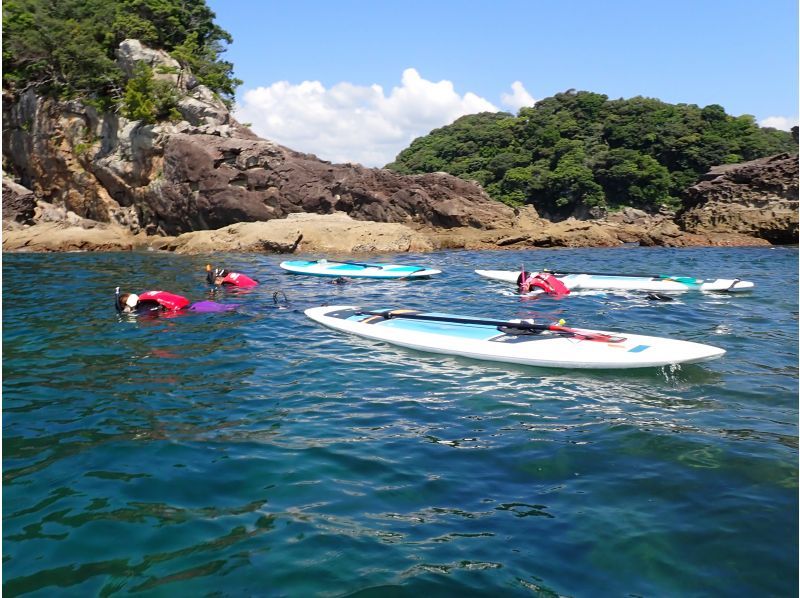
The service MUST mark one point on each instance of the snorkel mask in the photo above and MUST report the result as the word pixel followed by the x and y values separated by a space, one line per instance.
pixel 130 303
pixel 212 275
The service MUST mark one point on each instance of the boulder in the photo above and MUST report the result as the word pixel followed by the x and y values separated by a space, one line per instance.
pixel 19 203
pixel 202 107
pixel 132 52
pixel 63 236
pixel 333 233
pixel 574 233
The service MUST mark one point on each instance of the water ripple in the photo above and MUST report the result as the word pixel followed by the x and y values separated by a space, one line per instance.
pixel 255 453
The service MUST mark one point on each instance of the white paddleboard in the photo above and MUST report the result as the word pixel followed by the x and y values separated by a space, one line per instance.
pixel 356 269
pixel 479 340
pixel 630 283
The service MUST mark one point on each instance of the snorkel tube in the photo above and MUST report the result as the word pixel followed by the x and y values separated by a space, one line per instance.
pixel 276 300
pixel 211 276
pixel 117 304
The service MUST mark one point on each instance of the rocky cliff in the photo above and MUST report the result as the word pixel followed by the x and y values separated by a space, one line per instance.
pixel 207 171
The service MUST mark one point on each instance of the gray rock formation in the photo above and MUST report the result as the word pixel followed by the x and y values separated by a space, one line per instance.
pixel 207 171
pixel 19 203
pixel 132 52
pixel 211 181
pixel 757 198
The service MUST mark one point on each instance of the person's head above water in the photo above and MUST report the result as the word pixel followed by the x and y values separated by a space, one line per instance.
pixel 221 276
pixel 127 301
pixel 215 276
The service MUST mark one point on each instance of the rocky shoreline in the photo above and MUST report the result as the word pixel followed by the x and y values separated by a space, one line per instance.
pixel 78 180
pixel 732 206
pixel 339 233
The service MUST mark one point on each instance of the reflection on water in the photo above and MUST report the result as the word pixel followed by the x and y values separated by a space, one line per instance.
pixel 240 451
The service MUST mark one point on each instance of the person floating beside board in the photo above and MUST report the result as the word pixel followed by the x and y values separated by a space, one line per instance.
pixel 528 281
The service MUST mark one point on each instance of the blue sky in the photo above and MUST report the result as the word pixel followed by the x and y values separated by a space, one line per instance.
pixel 357 80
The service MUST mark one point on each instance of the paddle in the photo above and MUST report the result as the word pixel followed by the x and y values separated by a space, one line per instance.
pixel 683 279
pixel 585 335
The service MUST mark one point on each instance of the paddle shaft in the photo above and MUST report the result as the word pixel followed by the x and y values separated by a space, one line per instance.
pixel 498 324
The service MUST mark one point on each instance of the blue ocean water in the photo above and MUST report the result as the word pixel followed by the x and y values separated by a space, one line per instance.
pixel 256 453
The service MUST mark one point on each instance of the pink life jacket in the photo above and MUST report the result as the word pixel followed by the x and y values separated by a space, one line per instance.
pixel 239 280
pixel 547 282
pixel 166 300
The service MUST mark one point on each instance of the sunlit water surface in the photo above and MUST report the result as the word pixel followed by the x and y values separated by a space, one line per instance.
pixel 255 453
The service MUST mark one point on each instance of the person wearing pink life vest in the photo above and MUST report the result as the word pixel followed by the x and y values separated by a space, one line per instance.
pixel 222 277
pixel 152 302
pixel 528 281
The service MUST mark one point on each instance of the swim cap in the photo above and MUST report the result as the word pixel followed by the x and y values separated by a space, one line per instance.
pixel 132 300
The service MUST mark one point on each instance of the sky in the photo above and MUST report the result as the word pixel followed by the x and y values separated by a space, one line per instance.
pixel 359 80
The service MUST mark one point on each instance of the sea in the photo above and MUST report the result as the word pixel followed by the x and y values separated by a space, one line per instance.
pixel 256 453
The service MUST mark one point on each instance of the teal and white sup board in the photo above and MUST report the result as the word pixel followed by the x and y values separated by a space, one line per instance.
pixel 513 341
pixel 611 282
pixel 356 269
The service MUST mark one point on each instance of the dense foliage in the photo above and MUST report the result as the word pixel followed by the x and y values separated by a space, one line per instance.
pixel 65 48
pixel 575 151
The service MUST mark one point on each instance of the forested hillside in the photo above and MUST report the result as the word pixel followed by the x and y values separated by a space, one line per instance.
pixel 65 49
pixel 579 150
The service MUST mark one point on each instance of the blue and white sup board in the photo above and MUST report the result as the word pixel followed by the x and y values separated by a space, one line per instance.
pixel 356 269
pixel 609 282
pixel 480 338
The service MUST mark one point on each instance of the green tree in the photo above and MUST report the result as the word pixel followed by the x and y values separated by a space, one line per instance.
pixel 66 48
pixel 147 99
pixel 578 150
pixel 205 65
pixel 630 178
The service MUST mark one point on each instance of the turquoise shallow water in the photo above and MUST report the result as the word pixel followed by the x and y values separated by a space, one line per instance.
pixel 257 454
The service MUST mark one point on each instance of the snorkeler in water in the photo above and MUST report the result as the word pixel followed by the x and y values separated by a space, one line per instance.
pixel 151 302
pixel 544 281
pixel 222 277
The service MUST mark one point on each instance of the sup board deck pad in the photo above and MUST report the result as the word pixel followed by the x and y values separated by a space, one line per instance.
pixel 356 269
pixel 512 328
pixel 394 319
pixel 479 338
pixel 630 283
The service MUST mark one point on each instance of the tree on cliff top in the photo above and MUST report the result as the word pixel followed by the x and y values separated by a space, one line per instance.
pixel 65 48
pixel 577 151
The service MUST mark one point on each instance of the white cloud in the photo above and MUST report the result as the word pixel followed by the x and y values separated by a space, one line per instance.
pixel 518 98
pixel 352 123
pixel 784 123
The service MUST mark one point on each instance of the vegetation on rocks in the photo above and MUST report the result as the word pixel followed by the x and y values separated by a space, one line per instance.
pixel 577 151
pixel 149 100
pixel 65 49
